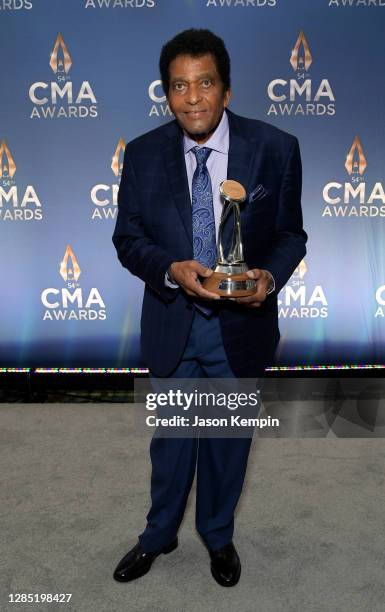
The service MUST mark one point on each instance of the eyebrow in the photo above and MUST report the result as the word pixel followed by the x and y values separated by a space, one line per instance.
pixel 204 75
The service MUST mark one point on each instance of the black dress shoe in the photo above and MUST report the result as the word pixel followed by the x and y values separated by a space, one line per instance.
pixel 136 562
pixel 225 565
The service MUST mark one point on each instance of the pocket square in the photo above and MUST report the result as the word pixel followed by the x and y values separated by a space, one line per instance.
pixel 258 193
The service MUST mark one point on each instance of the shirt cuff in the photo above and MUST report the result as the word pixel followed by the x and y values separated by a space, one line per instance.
pixel 271 285
pixel 168 282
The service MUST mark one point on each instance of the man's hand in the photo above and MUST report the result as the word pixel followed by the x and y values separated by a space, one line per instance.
pixel 185 274
pixel 264 279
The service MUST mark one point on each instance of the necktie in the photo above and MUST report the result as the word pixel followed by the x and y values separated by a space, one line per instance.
pixel 203 220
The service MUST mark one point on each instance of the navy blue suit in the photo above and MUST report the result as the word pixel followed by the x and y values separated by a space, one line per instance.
pixel 154 229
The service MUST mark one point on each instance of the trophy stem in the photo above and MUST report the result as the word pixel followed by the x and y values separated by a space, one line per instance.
pixel 225 213
pixel 229 279
pixel 236 249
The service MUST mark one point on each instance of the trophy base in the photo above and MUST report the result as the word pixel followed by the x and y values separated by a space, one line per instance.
pixel 232 284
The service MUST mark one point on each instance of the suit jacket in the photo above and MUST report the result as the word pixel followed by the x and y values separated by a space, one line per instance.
pixel 154 229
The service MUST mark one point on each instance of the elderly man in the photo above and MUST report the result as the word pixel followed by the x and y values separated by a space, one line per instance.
pixel 169 208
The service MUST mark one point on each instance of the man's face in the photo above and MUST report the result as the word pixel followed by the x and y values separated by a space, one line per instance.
pixel 196 95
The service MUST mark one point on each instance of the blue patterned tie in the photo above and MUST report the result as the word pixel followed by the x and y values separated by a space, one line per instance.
pixel 203 220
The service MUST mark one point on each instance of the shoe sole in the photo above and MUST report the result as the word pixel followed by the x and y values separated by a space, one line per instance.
pixel 164 551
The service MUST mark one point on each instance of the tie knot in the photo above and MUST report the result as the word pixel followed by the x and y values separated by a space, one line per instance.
pixel 201 154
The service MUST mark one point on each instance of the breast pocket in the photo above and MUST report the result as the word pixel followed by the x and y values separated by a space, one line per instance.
pixel 263 206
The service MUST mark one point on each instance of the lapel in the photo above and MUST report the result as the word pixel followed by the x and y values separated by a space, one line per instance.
pixel 240 153
pixel 239 167
pixel 177 175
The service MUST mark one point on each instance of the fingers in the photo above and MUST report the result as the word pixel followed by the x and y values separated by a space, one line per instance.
pixel 186 274
pixel 203 293
pixel 252 301
pixel 256 273
pixel 201 270
pixel 190 268
pixel 193 287
pixel 255 300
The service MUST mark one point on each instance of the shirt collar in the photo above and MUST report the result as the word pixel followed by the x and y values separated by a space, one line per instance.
pixel 218 141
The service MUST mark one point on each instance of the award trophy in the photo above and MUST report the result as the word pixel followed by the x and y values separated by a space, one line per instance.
pixel 229 279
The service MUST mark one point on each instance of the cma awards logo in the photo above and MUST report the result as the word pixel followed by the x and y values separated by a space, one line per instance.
pixel 16 203
pixel 301 95
pixel 70 302
pixel 160 107
pixel 297 301
pixel 61 98
pixel 240 3
pixel 356 3
pixel 380 299
pixel 15 5
pixel 104 196
pixel 119 3
pixel 354 198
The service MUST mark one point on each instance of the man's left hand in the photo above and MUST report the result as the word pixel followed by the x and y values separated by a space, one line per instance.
pixel 263 278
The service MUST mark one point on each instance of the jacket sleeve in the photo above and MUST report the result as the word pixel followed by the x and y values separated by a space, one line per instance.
pixel 136 251
pixel 288 245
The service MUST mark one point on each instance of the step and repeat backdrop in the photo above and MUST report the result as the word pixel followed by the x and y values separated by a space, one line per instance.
pixel 79 79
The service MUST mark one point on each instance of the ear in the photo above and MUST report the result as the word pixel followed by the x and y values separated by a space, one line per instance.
pixel 227 97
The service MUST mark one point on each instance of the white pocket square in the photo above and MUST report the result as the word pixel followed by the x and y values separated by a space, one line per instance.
pixel 258 193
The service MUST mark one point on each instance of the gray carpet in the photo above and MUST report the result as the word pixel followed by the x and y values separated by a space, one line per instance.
pixel 75 492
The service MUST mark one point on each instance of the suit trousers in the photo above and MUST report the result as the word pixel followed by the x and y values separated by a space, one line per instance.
pixel 220 463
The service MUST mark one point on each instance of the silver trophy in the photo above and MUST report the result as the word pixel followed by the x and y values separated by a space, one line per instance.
pixel 229 278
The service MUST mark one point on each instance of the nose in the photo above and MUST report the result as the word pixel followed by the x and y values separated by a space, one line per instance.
pixel 193 94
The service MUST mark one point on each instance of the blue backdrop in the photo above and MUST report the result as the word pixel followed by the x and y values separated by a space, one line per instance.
pixel 80 78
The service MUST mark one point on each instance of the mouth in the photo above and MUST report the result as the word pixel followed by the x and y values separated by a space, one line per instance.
pixel 195 114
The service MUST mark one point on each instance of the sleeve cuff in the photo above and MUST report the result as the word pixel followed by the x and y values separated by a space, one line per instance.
pixel 169 282
pixel 271 285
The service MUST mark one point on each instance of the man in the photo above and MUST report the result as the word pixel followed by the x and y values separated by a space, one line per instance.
pixel 169 207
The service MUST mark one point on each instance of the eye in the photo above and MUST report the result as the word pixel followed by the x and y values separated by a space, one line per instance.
pixel 179 86
pixel 206 83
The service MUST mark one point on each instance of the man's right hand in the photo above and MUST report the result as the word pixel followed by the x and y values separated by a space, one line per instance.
pixel 185 274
